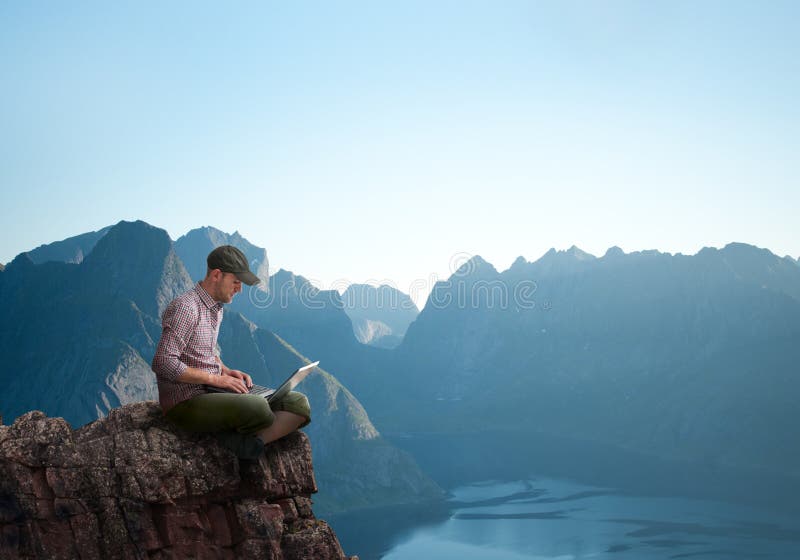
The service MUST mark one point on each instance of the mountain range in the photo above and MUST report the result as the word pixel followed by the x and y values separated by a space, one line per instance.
pixel 78 338
pixel 687 358
pixel 682 357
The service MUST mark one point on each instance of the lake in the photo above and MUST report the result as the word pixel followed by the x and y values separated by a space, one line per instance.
pixel 514 496
pixel 546 518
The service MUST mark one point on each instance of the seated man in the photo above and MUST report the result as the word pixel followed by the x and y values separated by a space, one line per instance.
pixel 186 359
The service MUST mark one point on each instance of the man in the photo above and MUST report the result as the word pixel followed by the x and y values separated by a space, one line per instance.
pixel 187 359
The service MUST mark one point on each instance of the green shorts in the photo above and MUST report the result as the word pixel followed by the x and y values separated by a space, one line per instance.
pixel 245 414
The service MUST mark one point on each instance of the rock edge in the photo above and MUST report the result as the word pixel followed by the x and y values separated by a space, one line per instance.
pixel 132 486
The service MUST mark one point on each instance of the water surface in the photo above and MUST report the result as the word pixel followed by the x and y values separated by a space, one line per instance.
pixel 546 518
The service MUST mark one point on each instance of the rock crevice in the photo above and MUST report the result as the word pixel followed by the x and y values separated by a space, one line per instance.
pixel 132 486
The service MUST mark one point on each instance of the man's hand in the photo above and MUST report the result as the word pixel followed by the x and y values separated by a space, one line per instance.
pixel 228 382
pixel 248 382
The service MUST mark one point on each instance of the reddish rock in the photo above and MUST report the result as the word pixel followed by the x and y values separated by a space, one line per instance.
pixel 133 486
pixel 311 538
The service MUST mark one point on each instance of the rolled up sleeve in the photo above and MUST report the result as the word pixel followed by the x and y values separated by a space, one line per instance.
pixel 177 324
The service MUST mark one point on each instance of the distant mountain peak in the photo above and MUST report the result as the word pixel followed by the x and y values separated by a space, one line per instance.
pixel 70 250
pixel 651 253
pixel 519 265
pixel 738 245
pixel 284 277
pixel 707 253
pixel 475 266
pixel 570 255
pixel 206 229
pixel 129 240
pixel 549 254
pixel 138 259
pixel 579 254
pixel 194 246
pixel 364 288
pixel 745 249
pixel 214 235
pixel 614 252
pixel 737 250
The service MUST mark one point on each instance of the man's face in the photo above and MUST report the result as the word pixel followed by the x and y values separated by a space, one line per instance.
pixel 228 285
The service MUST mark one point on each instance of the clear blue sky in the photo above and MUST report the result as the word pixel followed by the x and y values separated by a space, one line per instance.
pixel 383 140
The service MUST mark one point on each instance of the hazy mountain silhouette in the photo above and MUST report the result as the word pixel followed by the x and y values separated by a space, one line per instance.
pixel 691 357
pixel 78 338
pixel 70 250
pixel 194 247
pixel 682 357
pixel 313 320
pixel 380 315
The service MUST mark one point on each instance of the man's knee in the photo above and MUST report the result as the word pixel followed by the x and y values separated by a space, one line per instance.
pixel 296 403
pixel 257 414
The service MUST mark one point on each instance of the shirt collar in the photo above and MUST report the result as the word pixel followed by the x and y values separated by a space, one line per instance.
pixel 206 298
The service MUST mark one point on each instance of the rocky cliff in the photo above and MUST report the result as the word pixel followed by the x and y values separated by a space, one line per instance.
pixel 132 486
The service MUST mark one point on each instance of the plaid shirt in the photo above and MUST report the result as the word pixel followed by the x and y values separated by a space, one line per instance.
pixel 189 339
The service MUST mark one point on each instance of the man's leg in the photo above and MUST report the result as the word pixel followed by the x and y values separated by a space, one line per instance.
pixel 246 414
pixel 291 412
pixel 219 412
pixel 285 423
pixel 234 419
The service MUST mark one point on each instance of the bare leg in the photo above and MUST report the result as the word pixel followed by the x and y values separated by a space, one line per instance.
pixel 285 423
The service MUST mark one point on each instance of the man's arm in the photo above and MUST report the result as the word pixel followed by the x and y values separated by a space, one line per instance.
pixel 177 324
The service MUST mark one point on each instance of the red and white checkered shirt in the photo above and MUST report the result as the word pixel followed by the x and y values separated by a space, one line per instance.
pixel 189 339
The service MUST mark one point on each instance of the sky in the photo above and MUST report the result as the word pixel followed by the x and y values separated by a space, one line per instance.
pixel 387 142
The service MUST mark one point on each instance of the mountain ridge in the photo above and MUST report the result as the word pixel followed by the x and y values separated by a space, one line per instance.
pixel 645 350
pixel 72 249
pixel 84 335
pixel 194 246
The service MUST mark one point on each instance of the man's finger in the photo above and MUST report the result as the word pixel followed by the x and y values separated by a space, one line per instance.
pixel 237 385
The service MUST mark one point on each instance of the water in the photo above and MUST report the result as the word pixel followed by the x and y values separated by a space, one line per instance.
pixel 547 518
pixel 584 501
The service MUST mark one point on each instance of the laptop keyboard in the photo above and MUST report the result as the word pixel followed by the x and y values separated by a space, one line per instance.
pixel 261 390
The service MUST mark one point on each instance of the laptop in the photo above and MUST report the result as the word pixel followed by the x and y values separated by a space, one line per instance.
pixel 274 395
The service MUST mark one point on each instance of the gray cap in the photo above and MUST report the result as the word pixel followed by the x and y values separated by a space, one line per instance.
pixel 228 258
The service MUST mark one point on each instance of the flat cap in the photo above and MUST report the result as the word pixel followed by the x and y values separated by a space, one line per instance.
pixel 228 258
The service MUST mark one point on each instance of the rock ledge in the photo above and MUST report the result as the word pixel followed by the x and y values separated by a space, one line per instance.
pixel 132 486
